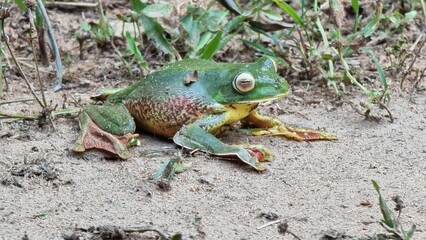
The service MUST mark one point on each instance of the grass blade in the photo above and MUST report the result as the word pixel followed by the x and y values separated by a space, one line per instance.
pixel 290 11
pixel 212 47
pixel 155 31
pixel 231 6
pixel 236 21
pixel 259 47
pixel 371 27
pixel 203 40
pixel 422 2
pixel 387 218
pixel 21 4
pixel 131 43
pixel 355 7
pixel 164 169
pixel 379 68
pixel 409 234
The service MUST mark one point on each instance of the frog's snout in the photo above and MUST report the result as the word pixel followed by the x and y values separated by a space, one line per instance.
pixel 281 82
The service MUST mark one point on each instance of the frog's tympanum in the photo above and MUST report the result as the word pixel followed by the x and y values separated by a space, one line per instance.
pixel 191 101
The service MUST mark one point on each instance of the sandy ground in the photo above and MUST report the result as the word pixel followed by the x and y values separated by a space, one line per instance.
pixel 48 192
pixel 313 186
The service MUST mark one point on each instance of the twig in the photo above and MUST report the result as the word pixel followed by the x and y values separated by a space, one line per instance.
pixel 382 105
pixel 2 82
pixel 146 229
pixel 416 83
pixel 42 46
pixel 71 4
pixel 32 27
pixel 422 2
pixel 7 60
pixel 414 59
pixel 16 100
pixel 97 230
pixel 304 53
pixel 31 66
pixel 294 235
pixel 67 111
pixel 299 113
pixel 126 64
pixel 17 115
pixel 270 223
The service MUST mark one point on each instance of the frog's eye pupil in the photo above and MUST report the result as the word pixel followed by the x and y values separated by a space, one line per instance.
pixel 244 82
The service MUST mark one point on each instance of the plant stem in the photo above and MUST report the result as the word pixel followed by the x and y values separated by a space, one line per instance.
pixel 64 112
pixel 42 46
pixel 304 53
pixel 17 115
pixel 352 78
pixel 413 61
pixel 424 9
pixel 16 100
pixel 32 27
pixel 330 77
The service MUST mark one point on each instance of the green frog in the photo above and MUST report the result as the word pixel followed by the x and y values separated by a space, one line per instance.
pixel 191 101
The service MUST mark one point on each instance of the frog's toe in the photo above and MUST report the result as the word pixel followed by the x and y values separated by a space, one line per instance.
pixel 306 134
pixel 260 152
pixel 252 159
pixel 249 156
pixel 299 134
pixel 259 167
pixel 93 137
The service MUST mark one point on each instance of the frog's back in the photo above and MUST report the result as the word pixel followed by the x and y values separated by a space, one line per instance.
pixel 162 102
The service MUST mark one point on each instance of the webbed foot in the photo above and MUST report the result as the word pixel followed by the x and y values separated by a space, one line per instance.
pixel 260 152
pixel 299 134
pixel 93 137
pixel 194 137
pixel 274 127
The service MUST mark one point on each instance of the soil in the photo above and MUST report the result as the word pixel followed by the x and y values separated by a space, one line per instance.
pixel 311 189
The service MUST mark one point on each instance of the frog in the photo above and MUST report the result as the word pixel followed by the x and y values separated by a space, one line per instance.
pixel 192 101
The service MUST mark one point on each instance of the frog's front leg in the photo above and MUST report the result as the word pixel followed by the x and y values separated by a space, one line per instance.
pixel 273 126
pixel 108 127
pixel 197 135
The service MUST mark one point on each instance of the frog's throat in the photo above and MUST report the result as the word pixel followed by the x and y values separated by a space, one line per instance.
pixel 261 99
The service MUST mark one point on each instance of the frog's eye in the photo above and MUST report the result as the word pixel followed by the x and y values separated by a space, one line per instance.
pixel 243 82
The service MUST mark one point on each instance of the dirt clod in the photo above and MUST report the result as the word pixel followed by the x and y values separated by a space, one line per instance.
pixel 44 170
pixel 282 228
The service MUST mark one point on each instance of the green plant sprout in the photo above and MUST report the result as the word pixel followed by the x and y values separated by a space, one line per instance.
pixel 392 226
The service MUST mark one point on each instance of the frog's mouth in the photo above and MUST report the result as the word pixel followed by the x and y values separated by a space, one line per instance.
pixel 262 99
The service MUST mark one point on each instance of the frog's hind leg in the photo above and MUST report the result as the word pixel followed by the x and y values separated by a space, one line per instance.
pixel 108 128
pixel 273 126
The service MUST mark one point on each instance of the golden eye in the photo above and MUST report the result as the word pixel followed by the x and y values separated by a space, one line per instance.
pixel 243 82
